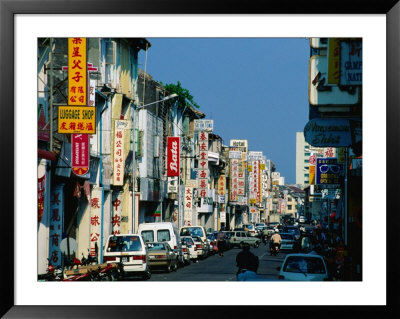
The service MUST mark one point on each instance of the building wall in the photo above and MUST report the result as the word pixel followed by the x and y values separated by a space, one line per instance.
pixel 301 168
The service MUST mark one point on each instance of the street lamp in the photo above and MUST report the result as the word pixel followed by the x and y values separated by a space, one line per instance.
pixel 133 119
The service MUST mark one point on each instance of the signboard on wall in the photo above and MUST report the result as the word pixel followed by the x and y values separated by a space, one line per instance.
pixel 320 93
pixel 76 119
pixel 328 132
pixel 328 171
pixel 203 125
pixel 173 156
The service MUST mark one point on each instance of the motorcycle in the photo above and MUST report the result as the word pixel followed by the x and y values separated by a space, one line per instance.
pixel 274 249
pixel 52 273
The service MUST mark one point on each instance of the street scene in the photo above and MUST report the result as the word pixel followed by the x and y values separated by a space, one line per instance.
pixel 158 164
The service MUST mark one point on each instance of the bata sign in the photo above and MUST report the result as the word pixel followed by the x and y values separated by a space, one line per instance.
pixel 173 157
pixel 328 132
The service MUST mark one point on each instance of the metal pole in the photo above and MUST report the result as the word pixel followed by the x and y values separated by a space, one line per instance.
pixel 133 118
pixel 345 196
pixel 51 94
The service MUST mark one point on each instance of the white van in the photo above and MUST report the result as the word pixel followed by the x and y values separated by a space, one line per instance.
pixel 162 232
pixel 194 231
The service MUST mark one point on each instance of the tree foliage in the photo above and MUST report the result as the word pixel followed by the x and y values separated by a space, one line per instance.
pixel 183 94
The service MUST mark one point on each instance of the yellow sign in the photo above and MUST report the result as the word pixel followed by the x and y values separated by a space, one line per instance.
pixel 77 71
pixel 333 61
pixel 312 175
pixel 262 166
pixel 77 119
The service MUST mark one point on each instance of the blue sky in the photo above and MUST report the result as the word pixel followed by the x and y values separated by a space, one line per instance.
pixel 253 88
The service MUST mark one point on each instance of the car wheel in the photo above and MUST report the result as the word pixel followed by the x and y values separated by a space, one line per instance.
pixel 256 244
pixel 147 275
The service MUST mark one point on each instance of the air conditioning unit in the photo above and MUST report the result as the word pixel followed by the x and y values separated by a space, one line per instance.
pixel 111 52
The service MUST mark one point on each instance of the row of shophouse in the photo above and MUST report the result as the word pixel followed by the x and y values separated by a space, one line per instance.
pixel 329 151
pixel 148 157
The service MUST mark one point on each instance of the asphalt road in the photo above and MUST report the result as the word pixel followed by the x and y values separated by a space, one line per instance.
pixel 215 268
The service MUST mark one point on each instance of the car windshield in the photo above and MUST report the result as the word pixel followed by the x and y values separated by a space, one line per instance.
pixel 124 243
pixel 196 238
pixel 191 231
pixel 250 226
pixel 287 236
pixel 302 264
pixel 293 230
pixel 156 246
pixel 187 241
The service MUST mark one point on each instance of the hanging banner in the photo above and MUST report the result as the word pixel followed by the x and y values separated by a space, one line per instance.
pixel 221 185
pixel 173 156
pixel 80 153
pixel 233 191
pixel 119 156
pixel 188 204
pixel 77 71
pixel 96 202
pixel 116 212
pixel 56 224
pixel 41 194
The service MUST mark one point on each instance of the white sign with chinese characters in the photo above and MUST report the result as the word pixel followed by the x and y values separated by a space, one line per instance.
pixel 119 158
pixel 116 212
pixel 203 125
pixel 96 201
pixel 188 204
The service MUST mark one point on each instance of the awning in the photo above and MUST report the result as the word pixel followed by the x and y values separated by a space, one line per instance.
pixel 46 155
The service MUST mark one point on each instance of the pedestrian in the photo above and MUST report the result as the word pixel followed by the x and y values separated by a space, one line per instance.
pixel 246 260
pixel 220 243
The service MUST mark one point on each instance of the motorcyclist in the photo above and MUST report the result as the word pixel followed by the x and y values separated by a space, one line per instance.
pixel 275 240
pixel 246 260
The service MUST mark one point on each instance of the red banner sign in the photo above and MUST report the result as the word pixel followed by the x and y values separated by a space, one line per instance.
pixel 80 153
pixel 173 156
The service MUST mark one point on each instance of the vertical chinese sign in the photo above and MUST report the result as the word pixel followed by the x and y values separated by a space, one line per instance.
pixel 41 194
pixel 56 225
pixel 77 73
pixel 96 201
pixel 116 213
pixel 202 171
pixel 80 153
pixel 188 203
pixel 119 157
pixel 221 185
pixel 173 156
pixel 77 96
pixel 234 180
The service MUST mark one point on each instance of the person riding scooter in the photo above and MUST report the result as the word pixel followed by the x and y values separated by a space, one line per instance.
pixel 275 241
pixel 246 261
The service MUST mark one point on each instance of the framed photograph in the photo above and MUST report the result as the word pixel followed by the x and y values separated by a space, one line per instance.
pixel 23 23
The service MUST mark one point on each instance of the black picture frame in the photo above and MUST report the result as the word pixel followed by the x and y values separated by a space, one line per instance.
pixel 8 10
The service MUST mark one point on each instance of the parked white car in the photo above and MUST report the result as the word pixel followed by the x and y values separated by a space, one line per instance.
pixel 130 250
pixel 303 267
pixel 189 249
